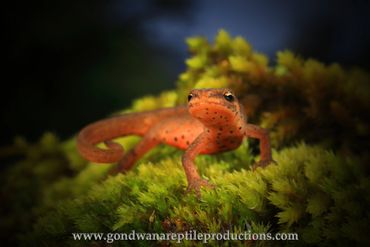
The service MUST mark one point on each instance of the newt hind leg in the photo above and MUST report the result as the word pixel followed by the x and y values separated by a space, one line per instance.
pixel 128 161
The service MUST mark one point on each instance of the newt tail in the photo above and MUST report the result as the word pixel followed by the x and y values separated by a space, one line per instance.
pixel 110 128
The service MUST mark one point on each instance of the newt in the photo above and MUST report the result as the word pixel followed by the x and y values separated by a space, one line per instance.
pixel 212 122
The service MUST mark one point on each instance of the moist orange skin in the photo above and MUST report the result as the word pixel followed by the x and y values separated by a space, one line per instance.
pixel 212 122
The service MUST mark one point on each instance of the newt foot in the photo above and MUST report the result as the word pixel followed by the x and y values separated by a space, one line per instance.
pixel 196 184
pixel 263 164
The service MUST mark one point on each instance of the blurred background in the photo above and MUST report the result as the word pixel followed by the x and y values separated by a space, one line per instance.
pixel 68 63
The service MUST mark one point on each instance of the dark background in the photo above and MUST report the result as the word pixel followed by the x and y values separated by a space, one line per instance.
pixel 68 63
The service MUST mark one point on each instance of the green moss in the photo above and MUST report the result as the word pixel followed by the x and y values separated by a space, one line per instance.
pixel 322 205
pixel 296 99
pixel 322 195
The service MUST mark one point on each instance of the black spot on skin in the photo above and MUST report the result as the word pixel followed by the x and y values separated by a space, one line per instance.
pixel 208 131
pixel 213 118
pixel 166 131
pixel 206 109
pixel 187 143
pixel 240 127
pixel 175 139
pixel 231 131
pixel 220 116
pixel 220 128
pixel 182 137
pixel 215 112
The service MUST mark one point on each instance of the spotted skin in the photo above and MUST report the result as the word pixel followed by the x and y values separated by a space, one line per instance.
pixel 212 122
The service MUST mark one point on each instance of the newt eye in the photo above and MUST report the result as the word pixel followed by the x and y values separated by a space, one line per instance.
pixel 229 96
pixel 190 96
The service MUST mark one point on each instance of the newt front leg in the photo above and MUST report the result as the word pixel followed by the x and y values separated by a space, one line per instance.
pixel 195 182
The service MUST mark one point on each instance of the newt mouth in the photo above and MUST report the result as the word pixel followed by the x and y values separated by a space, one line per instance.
pixel 208 105
pixel 192 105
pixel 211 112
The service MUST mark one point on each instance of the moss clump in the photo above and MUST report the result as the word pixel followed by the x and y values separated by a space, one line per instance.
pixel 296 99
pixel 23 186
pixel 322 195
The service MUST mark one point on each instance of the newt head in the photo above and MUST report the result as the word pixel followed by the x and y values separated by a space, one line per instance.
pixel 214 106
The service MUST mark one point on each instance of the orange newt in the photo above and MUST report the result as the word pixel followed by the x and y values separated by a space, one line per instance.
pixel 212 122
